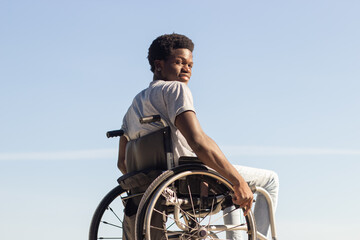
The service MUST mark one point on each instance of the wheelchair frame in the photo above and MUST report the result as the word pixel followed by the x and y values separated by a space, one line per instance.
pixel 156 190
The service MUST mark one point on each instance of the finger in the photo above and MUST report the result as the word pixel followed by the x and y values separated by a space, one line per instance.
pixel 250 203
pixel 246 210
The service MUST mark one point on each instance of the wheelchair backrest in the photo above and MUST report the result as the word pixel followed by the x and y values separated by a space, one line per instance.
pixel 149 151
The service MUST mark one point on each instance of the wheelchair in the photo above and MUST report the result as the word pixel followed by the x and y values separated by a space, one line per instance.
pixel 163 200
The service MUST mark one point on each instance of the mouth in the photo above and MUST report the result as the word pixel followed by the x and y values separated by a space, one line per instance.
pixel 184 76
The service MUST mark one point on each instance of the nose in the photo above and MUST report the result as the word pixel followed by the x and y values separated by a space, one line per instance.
pixel 187 68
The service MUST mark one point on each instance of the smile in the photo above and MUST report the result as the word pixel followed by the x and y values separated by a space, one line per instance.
pixel 184 76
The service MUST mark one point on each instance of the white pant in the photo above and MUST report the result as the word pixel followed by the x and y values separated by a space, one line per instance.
pixel 261 178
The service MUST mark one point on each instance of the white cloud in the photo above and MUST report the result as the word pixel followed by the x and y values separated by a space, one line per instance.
pixel 61 155
pixel 285 151
pixel 229 150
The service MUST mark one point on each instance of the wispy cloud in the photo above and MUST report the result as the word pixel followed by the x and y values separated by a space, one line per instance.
pixel 62 155
pixel 228 149
pixel 285 151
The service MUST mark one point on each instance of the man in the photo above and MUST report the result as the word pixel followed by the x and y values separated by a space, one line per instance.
pixel 168 95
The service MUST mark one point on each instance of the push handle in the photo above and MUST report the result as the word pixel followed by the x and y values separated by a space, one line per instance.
pixel 150 119
pixel 115 133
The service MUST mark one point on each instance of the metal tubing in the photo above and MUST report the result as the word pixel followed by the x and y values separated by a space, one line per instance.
pixel 271 212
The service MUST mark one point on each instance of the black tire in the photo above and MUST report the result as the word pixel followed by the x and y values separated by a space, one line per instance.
pixel 146 197
pixel 144 200
pixel 153 200
pixel 108 216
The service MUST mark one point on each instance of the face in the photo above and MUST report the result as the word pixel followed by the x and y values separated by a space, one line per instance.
pixel 177 67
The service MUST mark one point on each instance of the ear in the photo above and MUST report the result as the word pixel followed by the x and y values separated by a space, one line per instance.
pixel 159 64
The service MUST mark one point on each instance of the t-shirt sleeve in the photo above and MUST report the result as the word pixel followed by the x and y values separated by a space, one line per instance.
pixel 124 127
pixel 178 99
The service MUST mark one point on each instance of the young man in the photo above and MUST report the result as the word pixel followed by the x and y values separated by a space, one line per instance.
pixel 171 61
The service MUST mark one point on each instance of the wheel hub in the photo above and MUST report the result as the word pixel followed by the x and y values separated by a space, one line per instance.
pixel 200 233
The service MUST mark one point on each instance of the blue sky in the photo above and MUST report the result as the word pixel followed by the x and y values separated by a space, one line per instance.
pixel 275 84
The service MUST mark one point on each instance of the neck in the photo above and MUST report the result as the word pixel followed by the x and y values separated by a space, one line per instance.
pixel 157 77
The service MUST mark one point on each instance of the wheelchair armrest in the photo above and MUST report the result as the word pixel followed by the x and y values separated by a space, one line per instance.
pixel 188 160
pixel 138 179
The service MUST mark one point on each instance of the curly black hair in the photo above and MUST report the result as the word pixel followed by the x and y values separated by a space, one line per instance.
pixel 163 46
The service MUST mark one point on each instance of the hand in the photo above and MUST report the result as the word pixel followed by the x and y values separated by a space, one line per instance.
pixel 243 197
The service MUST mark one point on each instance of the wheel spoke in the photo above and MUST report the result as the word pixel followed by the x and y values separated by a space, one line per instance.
pixel 225 213
pixel 107 223
pixel 229 229
pixel 168 216
pixel 192 205
pixel 212 207
pixel 107 220
pixel 115 214
pixel 110 238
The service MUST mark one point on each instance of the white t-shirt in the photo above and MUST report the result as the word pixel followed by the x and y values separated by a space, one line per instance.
pixel 167 99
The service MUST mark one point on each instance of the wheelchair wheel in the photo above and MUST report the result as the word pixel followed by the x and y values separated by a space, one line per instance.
pixel 107 219
pixel 187 203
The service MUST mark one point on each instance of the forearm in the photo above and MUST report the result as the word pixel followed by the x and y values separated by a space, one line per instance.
pixel 121 157
pixel 205 148
pixel 210 154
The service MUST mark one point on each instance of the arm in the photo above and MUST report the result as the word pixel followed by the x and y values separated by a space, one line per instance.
pixel 121 159
pixel 210 154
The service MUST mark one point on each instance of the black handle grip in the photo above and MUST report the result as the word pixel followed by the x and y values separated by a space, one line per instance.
pixel 115 133
pixel 150 119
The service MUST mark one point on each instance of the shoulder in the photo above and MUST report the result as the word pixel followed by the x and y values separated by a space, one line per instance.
pixel 175 87
pixel 167 84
